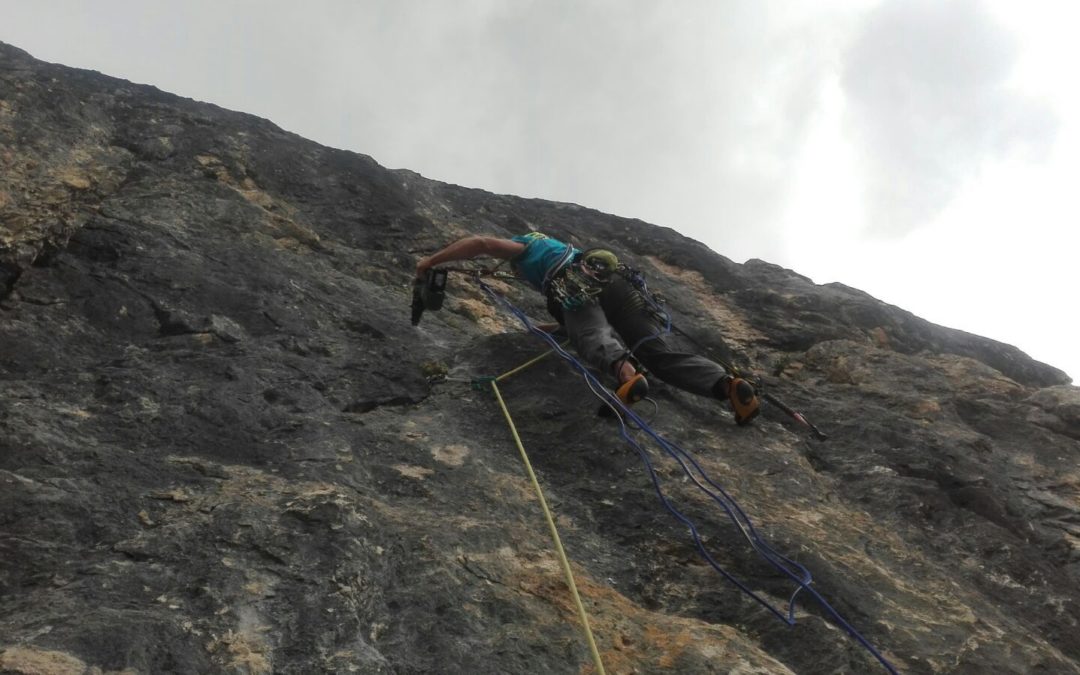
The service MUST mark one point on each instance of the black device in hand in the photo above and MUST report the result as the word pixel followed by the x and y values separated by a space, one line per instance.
pixel 428 293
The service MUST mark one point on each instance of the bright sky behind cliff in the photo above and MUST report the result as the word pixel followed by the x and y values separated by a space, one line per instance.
pixel 924 151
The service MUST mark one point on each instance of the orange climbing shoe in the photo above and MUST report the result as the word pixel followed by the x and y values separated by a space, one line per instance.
pixel 629 392
pixel 742 396
pixel 633 390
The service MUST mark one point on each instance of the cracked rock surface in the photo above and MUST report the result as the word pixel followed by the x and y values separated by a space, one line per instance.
pixel 222 450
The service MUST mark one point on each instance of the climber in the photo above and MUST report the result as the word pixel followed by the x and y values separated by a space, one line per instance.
pixel 589 293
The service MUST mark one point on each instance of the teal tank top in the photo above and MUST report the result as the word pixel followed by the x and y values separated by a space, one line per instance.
pixel 542 258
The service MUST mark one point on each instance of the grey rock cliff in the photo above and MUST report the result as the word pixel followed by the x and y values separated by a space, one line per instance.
pixel 220 450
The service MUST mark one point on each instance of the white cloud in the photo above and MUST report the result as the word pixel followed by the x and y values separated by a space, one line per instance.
pixel 927 89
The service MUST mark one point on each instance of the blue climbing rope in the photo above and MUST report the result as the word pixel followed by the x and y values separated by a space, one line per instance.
pixel 693 470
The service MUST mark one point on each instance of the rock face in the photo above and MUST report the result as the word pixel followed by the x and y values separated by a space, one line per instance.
pixel 220 449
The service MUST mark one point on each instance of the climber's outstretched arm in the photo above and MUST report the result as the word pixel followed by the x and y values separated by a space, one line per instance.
pixel 471 247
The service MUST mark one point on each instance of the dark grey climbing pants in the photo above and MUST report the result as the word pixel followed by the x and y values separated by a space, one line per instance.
pixel 602 332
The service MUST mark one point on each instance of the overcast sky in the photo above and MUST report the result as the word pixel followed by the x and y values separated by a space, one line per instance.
pixel 924 151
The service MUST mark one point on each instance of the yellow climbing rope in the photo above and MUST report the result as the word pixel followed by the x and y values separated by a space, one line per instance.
pixel 522 367
pixel 550 520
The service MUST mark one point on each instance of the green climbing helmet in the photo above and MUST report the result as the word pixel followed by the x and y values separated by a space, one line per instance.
pixel 599 263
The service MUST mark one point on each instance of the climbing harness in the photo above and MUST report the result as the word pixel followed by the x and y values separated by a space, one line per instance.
pixel 557 268
pixel 581 279
pixel 693 470
pixel 574 287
